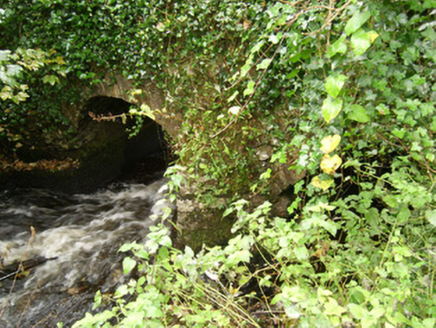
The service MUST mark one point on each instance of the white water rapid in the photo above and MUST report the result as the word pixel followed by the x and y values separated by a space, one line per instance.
pixel 74 248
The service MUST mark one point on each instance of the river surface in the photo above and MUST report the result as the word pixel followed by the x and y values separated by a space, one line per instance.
pixel 79 235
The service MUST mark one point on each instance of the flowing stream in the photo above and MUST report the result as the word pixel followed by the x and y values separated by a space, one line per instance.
pixel 72 241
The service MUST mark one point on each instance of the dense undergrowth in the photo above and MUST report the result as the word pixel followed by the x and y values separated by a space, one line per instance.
pixel 341 92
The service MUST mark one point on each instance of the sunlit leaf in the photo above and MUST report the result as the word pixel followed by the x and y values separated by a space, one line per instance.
pixel 333 308
pixel 22 96
pixel 60 60
pixel 128 265
pixel 233 96
pixel 331 108
pixel 4 54
pixel 264 64
pixel 265 175
pixel 257 46
pixel 247 66
pixel 334 84
pixel 361 41
pixel 301 252
pixel 431 217
pixel 338 46
pixel 250 89
pixel 234 110
pixel 14 70
pixel 329 164
pixel 372 36
pixel 330 143
pixel 356 21
pixel 273 39
pixel 399 133
pixel 6 79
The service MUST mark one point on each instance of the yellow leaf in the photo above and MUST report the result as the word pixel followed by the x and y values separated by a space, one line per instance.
pixel 372 35
pixel 330 143
pixel 330 164
pixel 322 184
pixel 60 61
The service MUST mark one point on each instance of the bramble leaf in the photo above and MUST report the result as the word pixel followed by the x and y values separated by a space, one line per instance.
pixel 128 265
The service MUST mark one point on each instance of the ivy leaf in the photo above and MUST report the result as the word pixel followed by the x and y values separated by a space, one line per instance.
pixel 264 64
pixel 146 111
pixel 372 35
pixel 6 93
pixel 51 79
pixel 6 79
pixel 234 110
pixel 14 70
pixel 250 89
pixel 322 184
pixel 399 133
pixel 4 55
pixel 358 113
pixel 247 66
pixel 361 41
pixel 273 39
pixel 233 96
pixel 265 175
pixel 330 143
pixel 257 46
pixel 338 46
pixel 334 84
pixel 356 21
pixel 333 308
pixel 21 96
pixel 331 108
pixel 128 265
pixel 330 164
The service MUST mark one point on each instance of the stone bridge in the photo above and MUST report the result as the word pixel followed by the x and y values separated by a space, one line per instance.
pixel 105 152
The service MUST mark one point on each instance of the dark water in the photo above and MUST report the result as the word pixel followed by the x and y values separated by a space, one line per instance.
pixel 81 235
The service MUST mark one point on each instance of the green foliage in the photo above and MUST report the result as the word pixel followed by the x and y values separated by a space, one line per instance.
pixel 357 246
pixel 18 72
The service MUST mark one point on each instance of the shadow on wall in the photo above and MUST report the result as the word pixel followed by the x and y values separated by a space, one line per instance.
pixel 105 152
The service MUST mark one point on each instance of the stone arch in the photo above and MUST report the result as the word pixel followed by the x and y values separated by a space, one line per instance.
pixel 118 86
pixel 103 150
pixel 134 150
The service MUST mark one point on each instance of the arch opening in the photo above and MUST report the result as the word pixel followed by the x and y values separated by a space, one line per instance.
pixel 146 151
